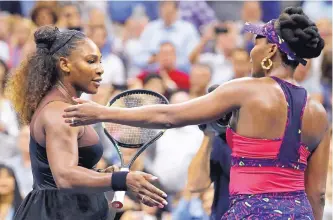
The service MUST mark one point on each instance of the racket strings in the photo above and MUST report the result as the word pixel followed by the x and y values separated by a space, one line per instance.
pixel 133 135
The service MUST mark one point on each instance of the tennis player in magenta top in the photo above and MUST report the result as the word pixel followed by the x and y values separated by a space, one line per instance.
pixel 279 136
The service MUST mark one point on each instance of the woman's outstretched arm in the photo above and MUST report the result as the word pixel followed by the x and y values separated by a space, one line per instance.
pixel 225 98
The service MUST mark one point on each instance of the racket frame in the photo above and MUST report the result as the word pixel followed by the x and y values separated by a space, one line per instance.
pixel 118 198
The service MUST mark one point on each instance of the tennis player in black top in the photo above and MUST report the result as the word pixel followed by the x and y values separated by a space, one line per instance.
pixel 66 186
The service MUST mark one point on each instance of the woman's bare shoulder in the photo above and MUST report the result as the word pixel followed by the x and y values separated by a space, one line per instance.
pixel 314 122
pixel 52 114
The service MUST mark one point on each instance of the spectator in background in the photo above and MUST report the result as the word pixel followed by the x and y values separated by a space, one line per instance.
pixel 270 10
pixel 226 10
pixel 325 29
pixel 130 40
pixel 21 34
pixel 185 141
pixel 99 34
pixel 69 17
pixel 241 63
pixel 120 11
pixel 28 6
pixel 326 81
pixel 168 27
pixel 21 163
pixel 220 58
pixel 154 82
pixel 96 16
pixel 251 12
pixel 194 205
pixel 9 193
pixel 44 15
pixel 199 13
pixel 211 164
pixel 318 9
pixel 313 88
pixel 167 59
pixel 142 212
pixel 8 120
pixel 200 77
pixel 315 73
pixel 4 36
pixel 93 11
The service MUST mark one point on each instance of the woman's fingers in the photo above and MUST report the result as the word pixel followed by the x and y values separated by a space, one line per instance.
pixel 79 101
pixel 139 183
pixel 151 187
pixel 71 108
pixel 73 114
pixel 151 191
pixel 75 122
pixel 157 198
pixel 148 201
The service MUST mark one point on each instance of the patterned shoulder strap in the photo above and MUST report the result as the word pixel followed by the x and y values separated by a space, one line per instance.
pixel 296 100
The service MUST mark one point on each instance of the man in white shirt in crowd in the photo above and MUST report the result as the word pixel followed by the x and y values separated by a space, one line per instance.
pixel 182 143
pixel 168 28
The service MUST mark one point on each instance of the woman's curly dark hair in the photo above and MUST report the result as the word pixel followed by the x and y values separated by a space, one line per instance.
pixel 300 33
pixel 36 75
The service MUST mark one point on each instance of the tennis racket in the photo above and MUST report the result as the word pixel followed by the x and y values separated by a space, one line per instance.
pixel 132 137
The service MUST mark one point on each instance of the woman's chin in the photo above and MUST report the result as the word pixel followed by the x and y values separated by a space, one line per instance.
pixel 91 90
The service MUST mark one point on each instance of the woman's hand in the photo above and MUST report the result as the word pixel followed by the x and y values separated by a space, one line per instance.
pixel 84 113
pixel 140 184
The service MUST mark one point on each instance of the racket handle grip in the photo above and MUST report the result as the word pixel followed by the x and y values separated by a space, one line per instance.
pixel 118 198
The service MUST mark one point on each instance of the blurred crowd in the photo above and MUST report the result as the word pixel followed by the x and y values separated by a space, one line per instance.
pixel 178 49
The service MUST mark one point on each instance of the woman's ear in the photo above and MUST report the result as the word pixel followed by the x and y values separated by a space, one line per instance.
pixel 64 65
pixel 272 51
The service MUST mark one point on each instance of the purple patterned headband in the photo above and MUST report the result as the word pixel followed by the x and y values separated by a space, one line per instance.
pixel 267 30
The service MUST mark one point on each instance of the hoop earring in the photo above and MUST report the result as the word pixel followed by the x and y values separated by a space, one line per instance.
pixel 269 63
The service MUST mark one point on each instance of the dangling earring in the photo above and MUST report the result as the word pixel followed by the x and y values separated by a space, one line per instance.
pixel 269 63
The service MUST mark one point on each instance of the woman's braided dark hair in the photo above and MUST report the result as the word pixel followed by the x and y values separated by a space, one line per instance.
pixel 39 72
pixel 300 33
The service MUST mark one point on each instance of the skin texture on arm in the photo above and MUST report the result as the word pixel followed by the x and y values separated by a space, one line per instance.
pixel 62 153
pixel 196 111
pixel 316 172
pixel 199 169
pixel 210 107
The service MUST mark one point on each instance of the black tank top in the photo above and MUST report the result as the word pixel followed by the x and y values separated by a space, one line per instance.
pixel 90 148
pixel 46 201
